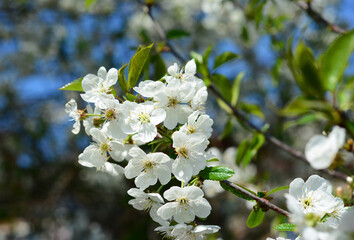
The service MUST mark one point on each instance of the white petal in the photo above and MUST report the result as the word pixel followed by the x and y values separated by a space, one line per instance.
pixel 113 169
pixel 112 77
pixel 191 67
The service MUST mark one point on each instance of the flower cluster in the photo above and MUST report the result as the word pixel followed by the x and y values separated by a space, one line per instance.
pixel 168 115
pixel 316 213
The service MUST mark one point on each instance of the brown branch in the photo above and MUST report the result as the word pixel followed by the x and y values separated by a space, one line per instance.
pixel 238 114
pixel 264 203
pixel 318 18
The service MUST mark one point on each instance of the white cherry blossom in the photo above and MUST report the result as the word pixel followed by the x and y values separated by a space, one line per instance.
pixel 188 232
pixel 174 100
pixel 71 109
pixel 188 202
pixel 150 202
pixel 178 75
pixel 116 115
pixel 97 88
pixel 191 157
pixel 95 155
pixel 313 196
pixel 88 122
pixel 320 151
pixel 198 124
pixel 147 168
pixel 144 118
pixel 149 88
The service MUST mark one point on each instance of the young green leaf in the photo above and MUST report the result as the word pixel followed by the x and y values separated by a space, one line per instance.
pixel 224 58
pixel 277 189
pixel 223 84
pixel 122 79
pixel 285 227
pixel 335 60
pixel 227 129
pixel 176 33
pixel 311 81
pixel 252 109
pixel 235 92
pixel 218 173
pixel 136 65
pixel 130 97
pixel 235 192
pixel 88 3
pixel 73 86
pixel 255 218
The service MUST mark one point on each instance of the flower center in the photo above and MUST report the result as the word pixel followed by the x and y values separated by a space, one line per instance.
pixel 172 102
pixel 148 165
pixel 182 200
pixel 111 114
pixel 144 117
pixel 182 152
pixel 306 203
pixel 104 147
pixel 191 129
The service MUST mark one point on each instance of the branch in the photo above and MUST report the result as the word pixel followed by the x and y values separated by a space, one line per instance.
pixel 318 18
pixel 261 201
pixel 239 115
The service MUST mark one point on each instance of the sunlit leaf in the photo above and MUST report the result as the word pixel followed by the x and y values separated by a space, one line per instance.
pixel 122 79
pixel 255 218
pixel 224 58
pixel 235 192
pixel 285 227
pixel 218 173
pixel 73 86
pixel 235 92
pixel 335 60
pixel 176 33
pixel 136 65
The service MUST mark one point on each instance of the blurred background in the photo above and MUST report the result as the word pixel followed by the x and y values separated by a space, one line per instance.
pixel 44 44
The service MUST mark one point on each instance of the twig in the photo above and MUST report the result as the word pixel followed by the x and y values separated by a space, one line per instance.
pixel 238 114
pixel 318 18
pixel 261 201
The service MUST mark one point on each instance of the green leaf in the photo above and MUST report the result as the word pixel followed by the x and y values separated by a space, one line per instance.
pixel 241 151
pixel 310 81
pixel 305 71
pixel 235 192
pixel 88 3
pixel 206 54
pixel 160 67
pixel 248 149
pixel 218 173
pixel 251 109
pixel 284 227
pixel 335 60
pixel 301 105
pixel 73 86
pixel 130 97
pixel 227 129
pixel 213 160
pixel 224 58
pixel 223 84
pixel 235 92
pixel 136 65
pixel 308 118
pixel 277 189
pixel 176 33
pixel 122 79
pixel 255 218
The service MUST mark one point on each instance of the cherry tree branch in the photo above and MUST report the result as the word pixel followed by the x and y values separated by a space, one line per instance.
pixel 264 203
pixel 317 17
pixel 237 113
